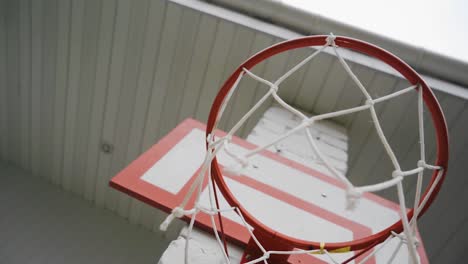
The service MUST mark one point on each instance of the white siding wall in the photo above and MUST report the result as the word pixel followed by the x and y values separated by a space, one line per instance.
pixel 76 74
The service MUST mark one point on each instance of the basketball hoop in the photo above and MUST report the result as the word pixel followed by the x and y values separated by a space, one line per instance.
pixel 269 244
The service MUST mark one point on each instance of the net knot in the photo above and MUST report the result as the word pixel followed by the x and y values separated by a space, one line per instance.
pixel 421 164
pixel 178 212
pixel 404 240
pixel 353 196
pixel 308 121
pixel 370 102
pixel 274 87
pixel 331 40
pixel 397 173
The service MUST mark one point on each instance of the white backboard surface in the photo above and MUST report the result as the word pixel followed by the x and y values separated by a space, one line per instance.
pixel 297 200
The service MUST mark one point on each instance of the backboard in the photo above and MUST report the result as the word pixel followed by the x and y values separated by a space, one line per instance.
pixel 301 201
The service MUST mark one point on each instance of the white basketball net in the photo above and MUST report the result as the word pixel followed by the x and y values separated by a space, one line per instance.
pixel 407 237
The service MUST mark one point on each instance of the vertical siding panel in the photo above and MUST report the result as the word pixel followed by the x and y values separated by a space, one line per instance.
pixel 371 148
pixel 316 75
pixel 202 48
pixel 362 127
pixel 213 76
pixel 127 101
pixel 160 85
pixel 242 100
pixel 446 208
pixel 274 67
pixel 85 94
pixel 164 63
pixel 36 83
pixel 112 100
pixel 332 88
pixel 454 246
pixel 351 96
pixel 75 53
pixel 407 129
pixel 453 108
pixel 25 81
pixel 3 82
pixel 98 103
pixel 61 87
pixel 289 88
pixel 240 50
pixel 179 70
pixel 13 89
pixel 152 34
pixel 48 86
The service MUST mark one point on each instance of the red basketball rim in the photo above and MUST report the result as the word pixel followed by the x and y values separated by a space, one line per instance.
pixel 360 46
